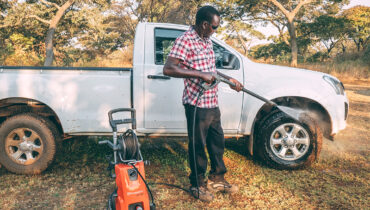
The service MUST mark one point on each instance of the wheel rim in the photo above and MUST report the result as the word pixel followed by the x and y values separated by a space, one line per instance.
pixel 289 141
pixel 24 146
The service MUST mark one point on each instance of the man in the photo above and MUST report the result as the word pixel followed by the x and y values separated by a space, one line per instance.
pixel 192 58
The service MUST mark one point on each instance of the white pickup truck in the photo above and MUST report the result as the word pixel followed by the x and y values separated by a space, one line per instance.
pixel 41 105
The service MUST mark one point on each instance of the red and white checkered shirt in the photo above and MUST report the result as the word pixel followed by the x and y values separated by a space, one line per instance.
pixel 196 53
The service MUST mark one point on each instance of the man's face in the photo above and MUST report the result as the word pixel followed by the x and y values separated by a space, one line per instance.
pixel 210 27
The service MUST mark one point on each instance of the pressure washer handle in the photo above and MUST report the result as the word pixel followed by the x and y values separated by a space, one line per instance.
pixel 114 123
pixel 207 86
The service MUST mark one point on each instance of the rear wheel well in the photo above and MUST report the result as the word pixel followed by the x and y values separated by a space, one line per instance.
pixel 313 109
pixel 14 106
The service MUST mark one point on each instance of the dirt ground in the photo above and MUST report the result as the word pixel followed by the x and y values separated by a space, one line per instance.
pixel 338 180
pixel 355 138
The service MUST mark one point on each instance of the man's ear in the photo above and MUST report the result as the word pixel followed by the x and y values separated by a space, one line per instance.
pixel 204 25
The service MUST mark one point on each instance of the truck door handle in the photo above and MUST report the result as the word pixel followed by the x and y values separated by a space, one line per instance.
pixel 158 77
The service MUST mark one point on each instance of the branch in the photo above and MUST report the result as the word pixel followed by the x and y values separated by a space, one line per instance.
pixel 290 14
pixel 40 19
pixel 50 3
pixel 278 5
pixel 298 7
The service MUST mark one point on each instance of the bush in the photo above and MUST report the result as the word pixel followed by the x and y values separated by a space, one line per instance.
pixel 279 52
pixel 366 55
pixel 318 57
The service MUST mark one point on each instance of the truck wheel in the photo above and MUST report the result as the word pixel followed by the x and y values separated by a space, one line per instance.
pixel 27 144
pixel 286 143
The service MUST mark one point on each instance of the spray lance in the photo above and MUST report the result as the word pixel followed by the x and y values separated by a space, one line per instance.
pixel 220 78
pixel 295 114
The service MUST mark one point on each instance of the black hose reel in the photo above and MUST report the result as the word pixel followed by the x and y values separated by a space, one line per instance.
pixel 126 147
pixel 129 147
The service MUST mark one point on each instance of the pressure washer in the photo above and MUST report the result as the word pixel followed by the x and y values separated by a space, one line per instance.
pixel 127 167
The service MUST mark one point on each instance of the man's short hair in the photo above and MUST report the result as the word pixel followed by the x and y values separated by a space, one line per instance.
pixel 205 13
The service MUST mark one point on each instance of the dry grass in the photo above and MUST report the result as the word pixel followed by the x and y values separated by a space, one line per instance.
pixel 78 180
pixel 346 71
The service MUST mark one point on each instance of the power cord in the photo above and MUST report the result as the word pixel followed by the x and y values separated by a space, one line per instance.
pixel 152 204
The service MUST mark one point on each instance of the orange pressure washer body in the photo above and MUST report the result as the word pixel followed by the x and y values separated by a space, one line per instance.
pixel 132 192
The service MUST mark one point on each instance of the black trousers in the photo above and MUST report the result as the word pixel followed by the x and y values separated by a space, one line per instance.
pixel 208 133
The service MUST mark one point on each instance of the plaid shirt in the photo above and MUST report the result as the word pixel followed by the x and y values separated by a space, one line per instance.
pixel 198 54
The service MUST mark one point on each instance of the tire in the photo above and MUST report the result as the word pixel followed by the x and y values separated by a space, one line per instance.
pixel 27 143
pixel 112 201
pixel 286 143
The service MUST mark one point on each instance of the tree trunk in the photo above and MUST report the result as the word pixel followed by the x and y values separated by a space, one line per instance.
pixel 343 48
pixel 50 34
pixel 358 45
pixel 49 47
pixel 244 45
pixel 293 42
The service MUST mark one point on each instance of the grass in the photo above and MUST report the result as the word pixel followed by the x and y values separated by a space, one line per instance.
pixel 346 70
pixel 78 178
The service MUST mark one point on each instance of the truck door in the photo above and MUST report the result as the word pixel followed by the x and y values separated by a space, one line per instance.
pixel 163 106
pixel 229 63
pixel 163 95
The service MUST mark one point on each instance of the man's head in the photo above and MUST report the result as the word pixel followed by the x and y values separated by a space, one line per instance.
pixel 207 21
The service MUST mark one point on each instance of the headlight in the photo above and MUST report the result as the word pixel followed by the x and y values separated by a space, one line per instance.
pixel 336 84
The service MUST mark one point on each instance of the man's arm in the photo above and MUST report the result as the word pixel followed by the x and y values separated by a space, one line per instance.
pixel 238 86
pixel 172 69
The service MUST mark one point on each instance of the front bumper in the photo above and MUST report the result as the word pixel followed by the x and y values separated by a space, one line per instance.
pixel 337 107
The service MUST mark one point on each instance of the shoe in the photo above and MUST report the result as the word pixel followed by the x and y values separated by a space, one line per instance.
pixel 203 194
pixel 222 186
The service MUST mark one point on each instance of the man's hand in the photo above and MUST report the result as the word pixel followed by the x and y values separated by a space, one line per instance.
pixel 208 77
pixel 238 86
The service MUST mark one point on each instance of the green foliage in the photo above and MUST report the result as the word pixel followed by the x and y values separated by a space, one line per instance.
pixel 366 56
pixel 329 30
pixel 360 29
pixel 101 33
pixel 318 57
pixel 276 52
pixel 21 51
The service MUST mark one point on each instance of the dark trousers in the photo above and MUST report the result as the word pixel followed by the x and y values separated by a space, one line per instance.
pixel 208 133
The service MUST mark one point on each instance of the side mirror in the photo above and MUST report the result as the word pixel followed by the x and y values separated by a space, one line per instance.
pixel 225 59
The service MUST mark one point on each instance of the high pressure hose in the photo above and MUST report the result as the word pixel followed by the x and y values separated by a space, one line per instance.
pixel 199 95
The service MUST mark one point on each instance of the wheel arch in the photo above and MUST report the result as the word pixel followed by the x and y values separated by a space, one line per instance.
pixel 18 105
pixel 313 108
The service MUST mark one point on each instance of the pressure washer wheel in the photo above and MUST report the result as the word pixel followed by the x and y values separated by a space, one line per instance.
pixel 285 143
pixel 112 201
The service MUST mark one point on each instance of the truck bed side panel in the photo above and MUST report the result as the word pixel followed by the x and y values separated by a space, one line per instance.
pixel 80 98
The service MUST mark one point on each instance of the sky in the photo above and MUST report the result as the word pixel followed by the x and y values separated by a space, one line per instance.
pixel 358 2
pixel 270 30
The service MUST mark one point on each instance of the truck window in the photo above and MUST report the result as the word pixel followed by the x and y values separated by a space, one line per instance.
pixel 164 39
pixel 224 58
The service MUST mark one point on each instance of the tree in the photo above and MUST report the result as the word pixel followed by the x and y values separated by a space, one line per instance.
pixel 169 11
pixel 52 25
pixel 290 15
pixel 234 28
pixel 283 14
pixel 50 13
pixel 359 17
pixel 329 30
pixel 242 33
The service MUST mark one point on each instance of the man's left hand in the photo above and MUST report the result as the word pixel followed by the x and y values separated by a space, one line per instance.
pixel 238 86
